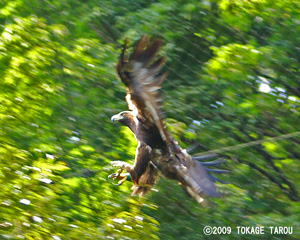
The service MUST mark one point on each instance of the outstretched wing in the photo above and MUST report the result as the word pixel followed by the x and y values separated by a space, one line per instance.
pixel 140 73
pixel 197 180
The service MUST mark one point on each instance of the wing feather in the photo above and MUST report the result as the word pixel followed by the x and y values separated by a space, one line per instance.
pixel 140 73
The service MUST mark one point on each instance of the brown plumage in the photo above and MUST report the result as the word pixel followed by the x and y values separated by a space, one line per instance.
pixel 156 151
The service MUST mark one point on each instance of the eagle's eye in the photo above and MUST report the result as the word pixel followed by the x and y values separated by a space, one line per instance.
pixel 124 114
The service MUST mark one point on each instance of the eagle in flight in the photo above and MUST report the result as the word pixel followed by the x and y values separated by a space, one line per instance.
pixel 156 152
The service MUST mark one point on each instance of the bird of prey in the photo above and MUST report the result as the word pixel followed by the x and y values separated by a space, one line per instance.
pixel 156 152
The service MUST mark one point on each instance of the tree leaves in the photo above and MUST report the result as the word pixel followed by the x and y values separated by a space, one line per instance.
pixel 233 78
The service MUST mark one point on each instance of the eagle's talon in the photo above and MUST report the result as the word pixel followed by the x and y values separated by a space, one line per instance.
pixel 121 181
pixel 119 176
pixel 113 176
pixel 118 184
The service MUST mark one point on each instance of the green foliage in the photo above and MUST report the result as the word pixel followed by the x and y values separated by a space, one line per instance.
pixel 233 78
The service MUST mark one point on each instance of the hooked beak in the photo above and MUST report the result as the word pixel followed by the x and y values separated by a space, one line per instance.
pixel 116 118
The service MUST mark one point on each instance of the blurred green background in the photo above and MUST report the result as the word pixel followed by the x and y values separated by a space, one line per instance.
pixel 233 78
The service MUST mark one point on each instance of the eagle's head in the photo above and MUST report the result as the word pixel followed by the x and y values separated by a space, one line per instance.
pixel 125 118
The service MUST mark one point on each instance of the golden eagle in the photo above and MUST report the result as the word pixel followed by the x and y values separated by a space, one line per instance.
pixel 156 150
